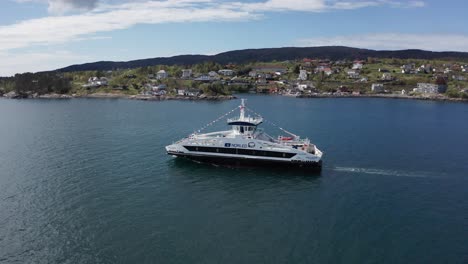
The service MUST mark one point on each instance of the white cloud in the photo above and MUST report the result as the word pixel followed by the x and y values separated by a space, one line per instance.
pixel 393 41
pixel 60 29
pixel 318 5
pixel 92 18
pixel 107 17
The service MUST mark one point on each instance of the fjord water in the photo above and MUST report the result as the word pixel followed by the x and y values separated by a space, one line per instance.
pixel 88 181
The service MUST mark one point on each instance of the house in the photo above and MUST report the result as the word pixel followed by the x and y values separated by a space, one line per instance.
pixel 408 68
pixel 403 92
pixel 239 82
pixel 192 92
pixel 311 90
pixel 328 71
pixel 160 89
pixel 152 89
pixel 353 74
pixel 319 69
pixel 213 75
pixel 386 77
pixel 96 82
pixel 357 66
pixel 430 88
pixel 181 92
pixel 253 74
pixel 162 74
pixel 203 78
pixel 186 73
pixel 302 75
pixel 425 68
pixel 377 88
pixel 264 75
pixel 302 87
pixel 226 72
pixel 308 61
pixel 261 81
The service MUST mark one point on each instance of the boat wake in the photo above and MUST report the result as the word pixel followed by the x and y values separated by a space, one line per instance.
pixel 386 172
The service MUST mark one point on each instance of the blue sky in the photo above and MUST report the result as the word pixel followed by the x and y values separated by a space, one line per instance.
pixel 37 35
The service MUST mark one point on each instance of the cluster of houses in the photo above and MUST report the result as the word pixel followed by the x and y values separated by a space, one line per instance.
pixel 421 88
pixel 270 77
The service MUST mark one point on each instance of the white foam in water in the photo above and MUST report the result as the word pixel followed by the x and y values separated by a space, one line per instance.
pixel 384 172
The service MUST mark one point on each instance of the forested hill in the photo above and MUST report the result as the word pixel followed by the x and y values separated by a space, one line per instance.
pixel 271 54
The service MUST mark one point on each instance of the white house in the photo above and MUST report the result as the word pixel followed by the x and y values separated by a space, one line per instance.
pixel 353 74
pixel 302 75
pixel 162 74
pixel 302 87
pixel 226 72
pixel 430 88
pixel 253 74
pixel 357 66
pixel 96 82
pixel 186 73
pixel 377 88
pixel 180 91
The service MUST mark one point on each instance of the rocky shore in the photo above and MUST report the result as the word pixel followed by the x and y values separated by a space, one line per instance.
pixel 389 96
pixel 14 95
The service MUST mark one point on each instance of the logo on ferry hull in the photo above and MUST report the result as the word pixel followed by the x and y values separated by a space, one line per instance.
pixel 229 145
pixel 251 145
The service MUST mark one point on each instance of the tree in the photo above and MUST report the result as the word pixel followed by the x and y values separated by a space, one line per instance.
pixel 453 93
pixel 297 68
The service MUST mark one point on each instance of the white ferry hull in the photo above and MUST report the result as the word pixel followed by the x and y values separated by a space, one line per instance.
pixel 251 157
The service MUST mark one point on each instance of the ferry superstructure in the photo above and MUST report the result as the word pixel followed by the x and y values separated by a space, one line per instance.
pixel 246 144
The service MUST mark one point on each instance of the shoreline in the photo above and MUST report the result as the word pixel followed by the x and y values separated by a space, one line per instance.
pixel 230 97
pixel 387 96
pixel 124 96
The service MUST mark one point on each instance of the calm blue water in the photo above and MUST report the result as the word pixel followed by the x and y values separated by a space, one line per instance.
pixel 88 181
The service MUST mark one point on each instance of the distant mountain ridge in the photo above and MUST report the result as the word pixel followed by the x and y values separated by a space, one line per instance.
pixel 270 54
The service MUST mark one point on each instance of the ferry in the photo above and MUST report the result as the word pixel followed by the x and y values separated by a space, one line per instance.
pixel 245 144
